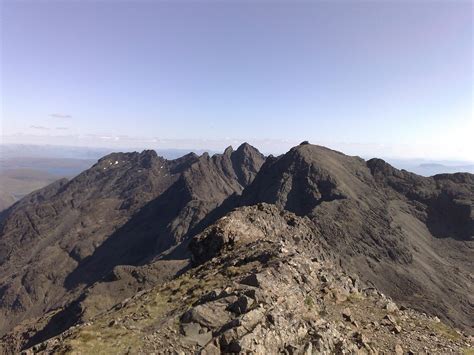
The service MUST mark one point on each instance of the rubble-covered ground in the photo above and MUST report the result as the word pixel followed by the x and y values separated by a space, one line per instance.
pixel 262 283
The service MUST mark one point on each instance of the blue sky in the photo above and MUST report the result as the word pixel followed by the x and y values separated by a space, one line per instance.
pixel 393 78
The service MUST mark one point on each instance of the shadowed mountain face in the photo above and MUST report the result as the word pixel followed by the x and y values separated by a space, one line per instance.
pixel 125 210
pixel 448 198
pixel 78 247
pixel 408 235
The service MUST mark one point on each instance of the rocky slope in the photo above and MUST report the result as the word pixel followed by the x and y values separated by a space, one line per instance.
pixel 264 285
pixel 91 241
pixel 408 235
pixel 339 232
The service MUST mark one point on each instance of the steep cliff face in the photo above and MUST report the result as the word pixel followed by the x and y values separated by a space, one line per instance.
pixel 448 198
pixel 125 210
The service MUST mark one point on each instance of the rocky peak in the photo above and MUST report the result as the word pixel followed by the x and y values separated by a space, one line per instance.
pixel 381 167
pixel 245 147
pixel 146 156
pixel 247 161
pixel 229 150
pixel 305 177
pixel 247 152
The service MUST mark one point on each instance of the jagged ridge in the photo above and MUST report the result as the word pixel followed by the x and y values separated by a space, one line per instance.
pixel 125 210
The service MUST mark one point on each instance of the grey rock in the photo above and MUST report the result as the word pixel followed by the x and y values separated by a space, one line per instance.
pixel 211 315
pixel 242 305
pixel 253 280
pixel 391 307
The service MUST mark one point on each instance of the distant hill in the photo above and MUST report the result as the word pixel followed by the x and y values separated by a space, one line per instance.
pixel 21 175
pixel 16 183
pixel 433 169
pixel 430 168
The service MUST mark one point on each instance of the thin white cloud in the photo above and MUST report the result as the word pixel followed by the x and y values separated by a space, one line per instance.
pixel 39 127
pixel 109 138
pixel 60 115
pixel 62 128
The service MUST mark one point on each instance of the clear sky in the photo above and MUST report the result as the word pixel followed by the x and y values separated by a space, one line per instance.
pixel 386 78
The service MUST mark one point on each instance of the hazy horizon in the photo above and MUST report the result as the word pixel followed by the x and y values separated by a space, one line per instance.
pixel 388 79
pixel 19 150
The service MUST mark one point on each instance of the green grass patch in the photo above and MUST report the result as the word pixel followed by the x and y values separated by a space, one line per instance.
pixel 445 330
pixel 309 302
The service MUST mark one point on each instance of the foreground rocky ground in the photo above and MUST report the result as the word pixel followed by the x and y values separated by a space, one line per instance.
pixel 263 283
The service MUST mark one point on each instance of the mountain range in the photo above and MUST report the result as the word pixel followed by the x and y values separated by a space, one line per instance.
pixel 224 253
